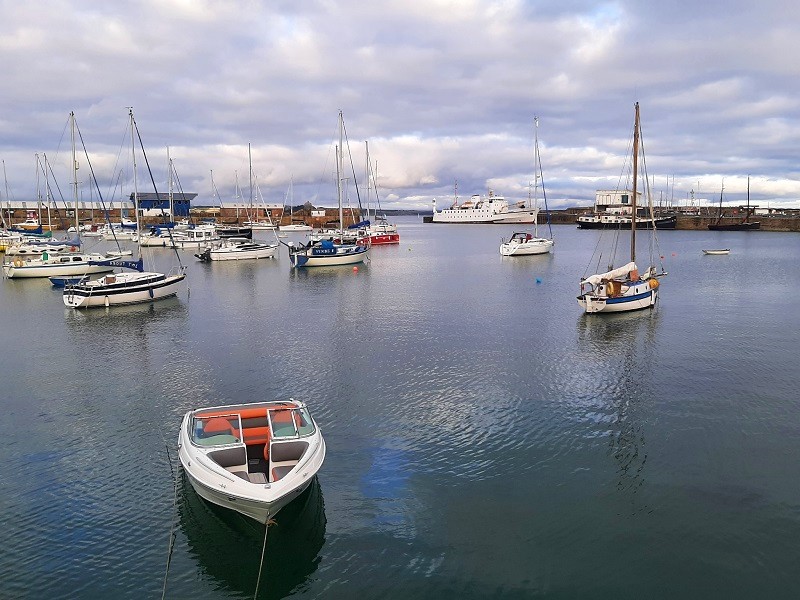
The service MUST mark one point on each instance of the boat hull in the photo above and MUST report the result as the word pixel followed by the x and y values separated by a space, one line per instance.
pixel 481 218
pixel 259 510
pixel 383 239
pixel 748 226
pixel 18 269
pixel 127 288
pixel 533 247
pixel 593 303
pixel 625 223
pixel 241 255
pixel 349 257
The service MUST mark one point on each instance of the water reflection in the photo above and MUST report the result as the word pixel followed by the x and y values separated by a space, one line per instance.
pixel 227 546
pixel 619 350
pixel 331 272
pixel 168 308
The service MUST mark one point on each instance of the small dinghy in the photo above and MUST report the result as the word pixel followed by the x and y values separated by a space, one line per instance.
pixel 716 252
pixel 251 458
pixel 61 281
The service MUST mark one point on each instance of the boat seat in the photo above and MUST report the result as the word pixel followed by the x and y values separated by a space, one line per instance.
pixel 285 455
pixel 254 436
pixel 230 457
pixel 285 451
pixel 218 425
pixel 280 471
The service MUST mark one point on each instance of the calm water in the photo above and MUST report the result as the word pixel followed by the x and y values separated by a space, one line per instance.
pixel 485 438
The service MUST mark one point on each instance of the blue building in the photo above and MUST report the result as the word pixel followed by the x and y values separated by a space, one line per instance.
pixel 152 204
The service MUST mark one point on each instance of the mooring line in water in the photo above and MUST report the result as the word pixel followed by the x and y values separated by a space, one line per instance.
pixel 263 550
pixel 171 544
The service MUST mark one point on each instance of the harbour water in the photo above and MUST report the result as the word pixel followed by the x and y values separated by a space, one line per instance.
pixel 485 438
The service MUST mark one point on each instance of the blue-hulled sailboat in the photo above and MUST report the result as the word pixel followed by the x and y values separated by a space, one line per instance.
pixel 625 288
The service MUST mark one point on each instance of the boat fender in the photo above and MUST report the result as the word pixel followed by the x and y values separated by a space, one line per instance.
pixel 652 283
pixel 17 263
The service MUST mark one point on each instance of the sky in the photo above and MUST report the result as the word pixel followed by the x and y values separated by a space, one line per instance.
pixel 445 92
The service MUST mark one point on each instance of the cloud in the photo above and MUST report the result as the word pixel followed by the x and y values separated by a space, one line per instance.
pixel 445 92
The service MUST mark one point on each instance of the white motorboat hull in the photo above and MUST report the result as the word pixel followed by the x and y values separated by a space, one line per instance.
pixel 255 508
pixel 234 253
pixel 122 289
pixel 535 246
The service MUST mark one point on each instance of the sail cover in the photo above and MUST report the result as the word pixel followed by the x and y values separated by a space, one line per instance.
pixel 618 272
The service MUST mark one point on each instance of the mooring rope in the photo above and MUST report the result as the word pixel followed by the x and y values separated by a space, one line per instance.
pixel 171 544
pixel 263 550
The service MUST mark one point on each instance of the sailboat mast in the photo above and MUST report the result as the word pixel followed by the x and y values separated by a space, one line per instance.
pixel 537 167
pixel 747 214
pixel 74 170
pixel 135 183
pixel 169 186
pixel 366 174
pixel 635 173
pixel 339 171
pixel 250 162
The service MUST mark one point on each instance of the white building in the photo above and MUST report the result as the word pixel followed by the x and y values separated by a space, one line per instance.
pixel 615 201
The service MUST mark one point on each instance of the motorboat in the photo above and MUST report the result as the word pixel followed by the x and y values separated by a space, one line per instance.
pixel 197 237
pixel 717 252
pixel 251 458
pixel 523 243
pixel 237 249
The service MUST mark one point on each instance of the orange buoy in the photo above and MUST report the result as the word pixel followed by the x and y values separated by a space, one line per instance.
pixel 355 269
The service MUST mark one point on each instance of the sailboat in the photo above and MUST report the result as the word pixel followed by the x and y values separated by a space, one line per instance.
pixel 128 287
pixel 60 264
pixel 328 252
pixel 238 248
pixel 292 226
pixel 378 228
pixel 624 288
pixel 522 242
pixel 744 225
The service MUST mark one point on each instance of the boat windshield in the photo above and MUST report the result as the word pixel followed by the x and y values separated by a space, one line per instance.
pixel 217 430
pixel 290 422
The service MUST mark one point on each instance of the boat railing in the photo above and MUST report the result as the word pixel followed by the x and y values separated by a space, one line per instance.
pixel 177 270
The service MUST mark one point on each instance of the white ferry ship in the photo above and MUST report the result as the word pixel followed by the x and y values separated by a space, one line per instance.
pixel 491 209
